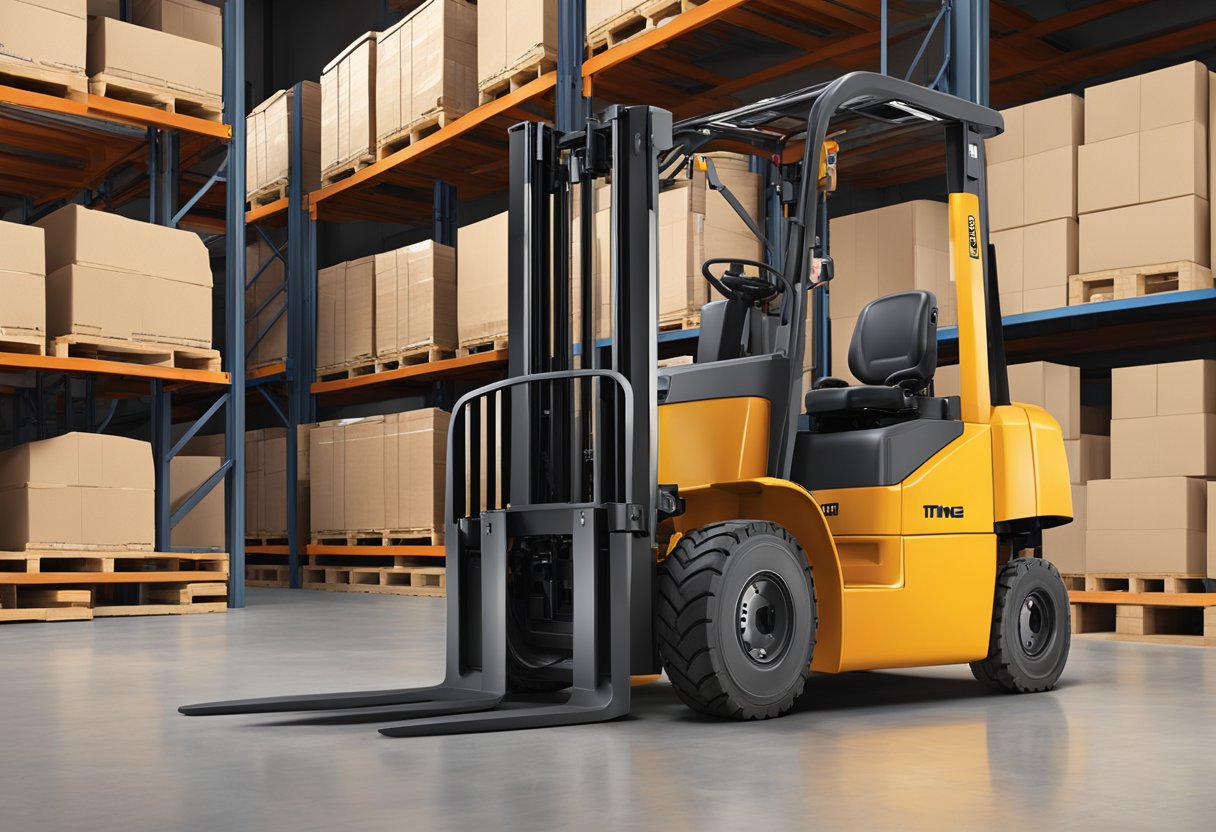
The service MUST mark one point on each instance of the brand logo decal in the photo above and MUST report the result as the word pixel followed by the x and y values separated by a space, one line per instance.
pixel 830 509
pixel 973 238
pixel 943 512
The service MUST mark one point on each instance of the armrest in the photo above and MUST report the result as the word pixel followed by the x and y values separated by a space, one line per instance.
pixel 908 379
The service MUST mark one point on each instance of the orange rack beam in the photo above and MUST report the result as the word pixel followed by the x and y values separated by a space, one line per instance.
pixel 11 361
pixel 417 373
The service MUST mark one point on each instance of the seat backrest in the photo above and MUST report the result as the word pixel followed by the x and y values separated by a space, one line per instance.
pixel 896 334
pixel 722 329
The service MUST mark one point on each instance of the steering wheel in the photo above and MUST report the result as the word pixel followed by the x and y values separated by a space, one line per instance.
pixel 735 284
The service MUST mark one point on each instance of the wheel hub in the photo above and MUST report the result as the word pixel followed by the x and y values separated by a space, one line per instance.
pixel 765 618
pixel 1036 624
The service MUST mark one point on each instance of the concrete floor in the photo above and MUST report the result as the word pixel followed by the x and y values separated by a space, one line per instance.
pixel 91 740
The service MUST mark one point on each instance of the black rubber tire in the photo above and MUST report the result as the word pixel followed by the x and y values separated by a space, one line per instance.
pixel 1010 667
pixel 701 584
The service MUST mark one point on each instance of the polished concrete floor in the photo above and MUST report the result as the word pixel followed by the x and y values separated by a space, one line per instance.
pixel 91 740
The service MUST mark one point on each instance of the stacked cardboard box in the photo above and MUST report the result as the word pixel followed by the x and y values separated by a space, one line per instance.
pixel 1032 202
pixel 348 107
pixel 426 69
pixel 23 287
pixel 190 19
pixel 1143 179
pixel 266 479
pixel 203 525
pixel 77 490
pixel 514 36
pixel 265 290
pixel 345 320
pixel 481 280
pixel 415 299
pixel 146 60
pixel 113 277
pixel 1150 516
pixel 268 141
pixel 44 40
pixel 893 249
pixel 380 473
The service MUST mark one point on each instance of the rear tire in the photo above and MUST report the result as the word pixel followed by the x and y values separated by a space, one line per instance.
pixel 1031 629
pixel 736 619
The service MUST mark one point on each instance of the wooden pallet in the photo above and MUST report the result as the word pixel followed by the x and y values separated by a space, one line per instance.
pixel 45 604
pixel 183 102
pixel 266 539
pixel 110 559
pixel 48 80
pixel 1164 609
pixel 370 365
pixel 181 356
pixel 343 170
pixel 476 345
pixel 381 580
pixel 539 60
pixel 638 20
pixel 675 361
pixel 32 343
pixel 677 323
pixel 415 131
pixel 1137 281
pixel 264 575
pixel 371 538
pixel 267 194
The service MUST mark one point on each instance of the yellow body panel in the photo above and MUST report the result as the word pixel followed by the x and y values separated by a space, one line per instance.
pixel 1012 469
pixel 871 560
pixel 1051 481
pixel 862 511
pixel 715 440
pixel 952 492
pixel 941 615
pixel 967 250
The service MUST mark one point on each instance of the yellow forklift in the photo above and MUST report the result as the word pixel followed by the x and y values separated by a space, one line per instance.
pixel 607 520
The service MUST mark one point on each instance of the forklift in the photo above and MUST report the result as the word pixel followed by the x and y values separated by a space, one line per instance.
pixel 607 521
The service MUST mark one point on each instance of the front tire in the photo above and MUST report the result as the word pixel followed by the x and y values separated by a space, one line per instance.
pixel 737 619
pixel 1031 629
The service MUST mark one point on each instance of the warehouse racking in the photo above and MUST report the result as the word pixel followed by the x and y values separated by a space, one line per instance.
pixel 696 62
pixel 92 147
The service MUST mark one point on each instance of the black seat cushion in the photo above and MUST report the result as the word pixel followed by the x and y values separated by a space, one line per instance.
pixel 864 397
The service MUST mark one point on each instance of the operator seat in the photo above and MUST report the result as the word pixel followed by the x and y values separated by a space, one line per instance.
pixel 893 353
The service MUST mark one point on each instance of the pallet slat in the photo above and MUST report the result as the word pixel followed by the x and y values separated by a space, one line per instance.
pixel 1137 281
pixel 380 580
pixel 170 99
pixel 157 354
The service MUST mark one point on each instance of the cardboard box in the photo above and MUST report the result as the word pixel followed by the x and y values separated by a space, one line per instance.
pixel 1112 109
pixel 1050 182
pixel 87 300
pixel 415 298
pixel 913 254
pixel 345 319
pixel 22 280
pixel 266 481
pixel 1147 525
pixel 1145 234
pixel 481 280
pixel 380 473
pixel 1064 545
pixel 265 290
pixel 203 526
pixel 1211 524
pixel 348 105
pixel 1175 95
pixel 513 35
pixel 1108 174
pixel 77 236
pixel 1174 389
pixel 1049 256
pixel 1174 161
pixel 77 489
pixel 126 52
pixel 1006 194
pixel 1011 303
pixel 190 19
pixel 1088 458
pixel 1163 446
pixel 1010 144
pixel 1053 123
pixel 1009 261
pixel 426 63
pixel 49 33
pixel 268 139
